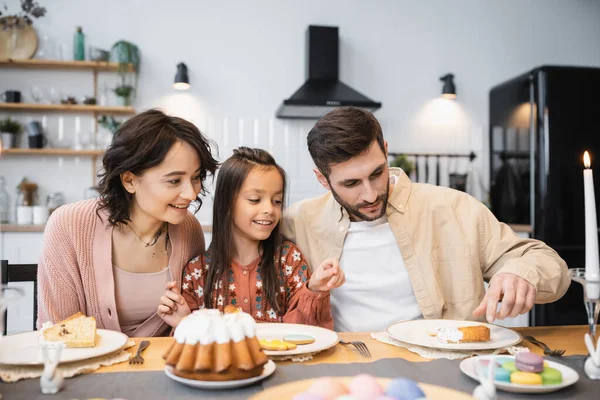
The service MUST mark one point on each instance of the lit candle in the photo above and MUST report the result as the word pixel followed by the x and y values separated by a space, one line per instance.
pixel 592 263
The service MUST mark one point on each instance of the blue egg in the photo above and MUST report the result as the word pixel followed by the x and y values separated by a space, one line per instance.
pixel 404 389
pixel 500 374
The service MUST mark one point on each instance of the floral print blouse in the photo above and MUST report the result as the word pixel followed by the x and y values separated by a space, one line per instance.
pixel 245 290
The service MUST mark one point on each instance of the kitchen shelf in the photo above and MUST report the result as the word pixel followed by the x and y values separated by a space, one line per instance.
pixel 52 152
pixel 61 65
pixel 21 228
pixel 74 108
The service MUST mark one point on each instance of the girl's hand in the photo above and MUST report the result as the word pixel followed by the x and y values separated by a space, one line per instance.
pixel 328 276
pixel 173 307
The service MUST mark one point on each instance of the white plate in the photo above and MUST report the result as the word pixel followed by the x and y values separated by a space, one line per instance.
pixel 324 338
pixel 416 332
pixel 23 348
pixel 267 371
pixel 570 376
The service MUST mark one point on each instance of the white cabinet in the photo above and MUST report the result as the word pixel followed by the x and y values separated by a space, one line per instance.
pixel 21 248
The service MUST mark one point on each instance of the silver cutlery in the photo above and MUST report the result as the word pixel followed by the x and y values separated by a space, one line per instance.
pixel 362 348
pixel 138 359
pixel 547 350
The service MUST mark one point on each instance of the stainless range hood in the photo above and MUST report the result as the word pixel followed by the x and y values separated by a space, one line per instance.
pixel 322 91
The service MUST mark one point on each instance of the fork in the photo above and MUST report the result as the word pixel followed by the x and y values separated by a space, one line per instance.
pixel 547 350
pixel 362 348
pixel 138 359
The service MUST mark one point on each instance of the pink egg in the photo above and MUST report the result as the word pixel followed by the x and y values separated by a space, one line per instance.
pixel 328 388
pixel 365 387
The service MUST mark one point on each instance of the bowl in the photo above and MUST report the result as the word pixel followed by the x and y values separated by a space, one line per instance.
pixel 97 54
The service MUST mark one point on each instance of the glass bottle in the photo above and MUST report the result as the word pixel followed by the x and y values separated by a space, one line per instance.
pixel 4 201
pixel 79 45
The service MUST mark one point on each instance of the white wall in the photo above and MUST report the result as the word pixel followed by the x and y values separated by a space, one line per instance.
pixel 245 57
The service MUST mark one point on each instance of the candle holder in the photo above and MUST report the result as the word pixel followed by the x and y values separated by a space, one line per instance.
pixel 592 305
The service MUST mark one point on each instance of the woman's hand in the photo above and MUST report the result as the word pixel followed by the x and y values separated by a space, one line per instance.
pixel 173 307
pixel 328 276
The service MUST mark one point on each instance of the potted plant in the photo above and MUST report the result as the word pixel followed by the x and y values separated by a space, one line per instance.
pixel 9 129
pixel 401 161
pixel 124 92
pixel 127 55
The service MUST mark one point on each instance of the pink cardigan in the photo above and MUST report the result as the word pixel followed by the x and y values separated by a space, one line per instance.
pixel 75 268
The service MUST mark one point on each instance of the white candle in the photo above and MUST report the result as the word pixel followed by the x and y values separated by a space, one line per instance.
pixel 77 125
pixel 592 262
pixel 61 129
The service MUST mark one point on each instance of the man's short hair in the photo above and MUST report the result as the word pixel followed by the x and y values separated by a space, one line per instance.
pixel 341 134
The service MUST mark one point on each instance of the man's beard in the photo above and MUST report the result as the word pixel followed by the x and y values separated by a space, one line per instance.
pixel 355 210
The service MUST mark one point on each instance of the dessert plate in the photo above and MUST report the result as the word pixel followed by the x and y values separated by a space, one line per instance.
pixel 418 332
pixel 324 338
pixel 570 376
pixel 24 349
pixel 267 371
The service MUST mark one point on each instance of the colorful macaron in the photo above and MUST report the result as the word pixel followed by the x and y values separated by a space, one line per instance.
pixel 529 362
pixel 525 378
pixel 551 376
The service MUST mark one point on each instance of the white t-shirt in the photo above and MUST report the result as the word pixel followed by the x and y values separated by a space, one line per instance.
pixel 377 292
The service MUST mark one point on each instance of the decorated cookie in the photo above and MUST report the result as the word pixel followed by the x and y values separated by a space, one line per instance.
pixel 276 345
pixel 299 339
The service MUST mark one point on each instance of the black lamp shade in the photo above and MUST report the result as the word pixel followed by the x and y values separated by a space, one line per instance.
pixel 182 81
pixel 449 90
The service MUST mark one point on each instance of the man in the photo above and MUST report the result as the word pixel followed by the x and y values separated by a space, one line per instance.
pixel 410 250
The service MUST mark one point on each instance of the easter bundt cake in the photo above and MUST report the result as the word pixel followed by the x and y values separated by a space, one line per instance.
pixel 210 346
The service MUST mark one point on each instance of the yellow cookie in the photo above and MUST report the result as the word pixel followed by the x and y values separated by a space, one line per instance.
pixel 525 378
pixel 276 345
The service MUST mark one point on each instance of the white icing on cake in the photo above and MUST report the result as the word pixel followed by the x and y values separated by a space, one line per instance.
pixel 448 334
pixel 209 326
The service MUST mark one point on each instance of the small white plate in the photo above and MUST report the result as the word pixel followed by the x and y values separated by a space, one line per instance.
pixel 324 338
pixel 267 371
pixel 24 349
pixel 417 332
pixel 570 376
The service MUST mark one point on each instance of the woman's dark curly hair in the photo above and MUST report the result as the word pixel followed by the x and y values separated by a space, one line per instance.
pixel 140 144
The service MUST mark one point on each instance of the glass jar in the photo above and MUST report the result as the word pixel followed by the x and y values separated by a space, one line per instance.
pixel 4 202
pixel 54 200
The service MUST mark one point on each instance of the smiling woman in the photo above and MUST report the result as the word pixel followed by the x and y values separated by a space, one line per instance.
pixel 112 257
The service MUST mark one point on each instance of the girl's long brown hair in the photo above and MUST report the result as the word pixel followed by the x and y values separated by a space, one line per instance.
pixel 230 179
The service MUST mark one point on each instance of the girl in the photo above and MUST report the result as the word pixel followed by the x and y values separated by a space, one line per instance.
pixel 248 264
pixel 111 257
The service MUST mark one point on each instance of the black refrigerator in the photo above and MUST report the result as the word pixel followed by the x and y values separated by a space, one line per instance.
pixel 541 122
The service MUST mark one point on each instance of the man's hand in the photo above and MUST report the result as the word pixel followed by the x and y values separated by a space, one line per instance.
pixel 517 296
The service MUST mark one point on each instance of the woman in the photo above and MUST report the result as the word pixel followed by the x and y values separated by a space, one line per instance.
pixel 111 257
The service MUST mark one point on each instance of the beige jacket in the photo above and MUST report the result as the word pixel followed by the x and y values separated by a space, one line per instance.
pixel 449 240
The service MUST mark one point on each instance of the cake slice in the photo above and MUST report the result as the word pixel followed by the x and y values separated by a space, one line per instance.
pixel 464 334
pixel 75 331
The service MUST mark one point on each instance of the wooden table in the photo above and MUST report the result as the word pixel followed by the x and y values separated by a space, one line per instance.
pixel 569 338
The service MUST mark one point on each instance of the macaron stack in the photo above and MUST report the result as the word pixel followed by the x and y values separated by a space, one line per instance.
pixel 526 369
pixel 362 387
